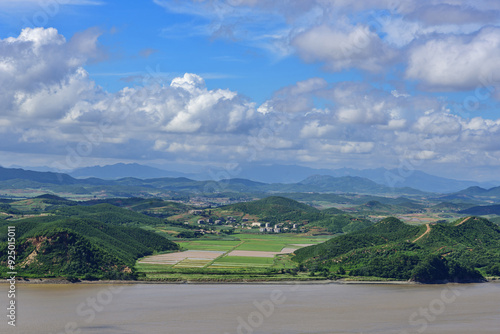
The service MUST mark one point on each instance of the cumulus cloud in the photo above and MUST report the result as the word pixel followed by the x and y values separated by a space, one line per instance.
pixel 315 129
pixel 41 72
pixel 446 13
pixel 362 104
pixel 371 124
pixel 51 105
pixel 359 47
pixel 369 35
pixel 295 98
pixel 48 97
pixel 457 62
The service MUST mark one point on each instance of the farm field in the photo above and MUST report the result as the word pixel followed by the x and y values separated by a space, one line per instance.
pixel 246 253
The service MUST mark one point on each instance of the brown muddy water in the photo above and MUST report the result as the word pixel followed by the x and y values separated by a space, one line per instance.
pixel 253 309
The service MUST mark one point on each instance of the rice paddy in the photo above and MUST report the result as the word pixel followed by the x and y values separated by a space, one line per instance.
pixel 249 251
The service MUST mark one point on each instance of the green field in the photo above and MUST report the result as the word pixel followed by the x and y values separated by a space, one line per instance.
pixel 262 246
pixel 215 245
pixel 243 261
pixel 273 242
pixel 252 242
pixel 227 267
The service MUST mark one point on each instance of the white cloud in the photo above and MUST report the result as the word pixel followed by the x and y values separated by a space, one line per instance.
pixel 371 35
pixel 361 115
pixel 439 124
pixel 49 98
pixel 51 105
pixel 295 98
pixel 456 62
pixel 359 47
pixel 349 147
pixel 448 13
pixel 425 155
pixel 315 129
pixel 41 73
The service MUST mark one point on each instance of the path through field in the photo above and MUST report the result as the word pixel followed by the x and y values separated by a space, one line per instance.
pixel 463 221
pixel 425 233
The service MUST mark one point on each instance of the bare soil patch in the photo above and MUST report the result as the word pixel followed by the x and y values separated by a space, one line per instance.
pixel 174 258
pixel 285 250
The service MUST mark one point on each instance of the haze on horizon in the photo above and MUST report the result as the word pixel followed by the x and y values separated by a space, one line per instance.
pixel 323 84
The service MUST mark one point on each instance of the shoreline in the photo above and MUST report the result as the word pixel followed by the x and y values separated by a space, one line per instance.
pixel 58 281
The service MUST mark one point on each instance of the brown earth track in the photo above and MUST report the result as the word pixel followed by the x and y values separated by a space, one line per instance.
pixel 425 233
pixel 463 221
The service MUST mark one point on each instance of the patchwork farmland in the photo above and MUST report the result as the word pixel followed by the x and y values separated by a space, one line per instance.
pixel 249 253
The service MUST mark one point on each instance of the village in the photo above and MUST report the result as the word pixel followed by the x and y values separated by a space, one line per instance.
pixel 207 224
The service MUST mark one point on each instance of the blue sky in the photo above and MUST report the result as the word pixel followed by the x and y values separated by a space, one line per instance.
pixel 216 84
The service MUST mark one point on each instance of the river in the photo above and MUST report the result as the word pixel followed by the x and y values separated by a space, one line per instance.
pixel 253 309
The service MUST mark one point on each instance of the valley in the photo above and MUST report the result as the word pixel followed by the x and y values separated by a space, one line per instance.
pixel 249 235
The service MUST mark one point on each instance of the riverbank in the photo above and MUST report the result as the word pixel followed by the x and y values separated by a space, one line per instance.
pixel 275 282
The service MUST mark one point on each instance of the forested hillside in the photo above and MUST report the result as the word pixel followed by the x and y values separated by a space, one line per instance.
pixel 460 251
pixel 100 241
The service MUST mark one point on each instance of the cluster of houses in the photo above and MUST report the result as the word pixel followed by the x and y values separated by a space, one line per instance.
pixel 277 228
pixel 210 221
pixel 231 221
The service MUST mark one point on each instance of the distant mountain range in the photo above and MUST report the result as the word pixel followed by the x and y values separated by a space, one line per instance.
pixel 121 170
pixel 290 174
pixel 387 177
pixel 370 181
pixel 482 210
pixel 23 179
pixel 41 177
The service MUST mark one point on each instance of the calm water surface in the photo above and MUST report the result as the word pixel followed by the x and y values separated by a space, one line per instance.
pixel 254 309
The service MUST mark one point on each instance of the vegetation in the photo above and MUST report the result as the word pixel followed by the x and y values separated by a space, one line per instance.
pixel 342 223
pixel 482 210
pixel 98 242
pixel 459 251
pixel 109 214
pixel 104 238
pixel 273 206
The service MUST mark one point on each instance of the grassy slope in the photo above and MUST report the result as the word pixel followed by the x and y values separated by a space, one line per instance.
pixel 386 249
pixel 272 206
pixel 279 209
pixel 101 240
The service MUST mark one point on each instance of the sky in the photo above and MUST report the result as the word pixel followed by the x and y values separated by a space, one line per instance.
pixel 184 85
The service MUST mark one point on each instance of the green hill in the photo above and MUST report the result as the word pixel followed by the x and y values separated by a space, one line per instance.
pixel 42 177
pixel 482 210
pixel 333 211
pixel 41 203
pixel 346 184
pixel 481 193
pixel 108 213
pixel 277 209
pixel 449 207
pixel 342 223
pixel 459 251
pixel 273 205
pixel 8 209
pixel 400 206
pixel 79 246
pixel 152 207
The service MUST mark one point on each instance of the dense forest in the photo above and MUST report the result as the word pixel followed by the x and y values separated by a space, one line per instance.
pixel 100 241
pixel 461 251
pixel 103 238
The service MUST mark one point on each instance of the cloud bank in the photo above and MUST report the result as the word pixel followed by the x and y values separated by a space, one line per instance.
pixel 49 103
